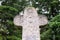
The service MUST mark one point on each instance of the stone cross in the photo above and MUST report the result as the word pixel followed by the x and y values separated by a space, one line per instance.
pixel 30 22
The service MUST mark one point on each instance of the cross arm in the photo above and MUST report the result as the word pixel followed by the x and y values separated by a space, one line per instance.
pixel 18 20
pixel 42 20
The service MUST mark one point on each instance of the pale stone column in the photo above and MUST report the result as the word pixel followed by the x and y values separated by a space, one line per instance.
pixel 30 22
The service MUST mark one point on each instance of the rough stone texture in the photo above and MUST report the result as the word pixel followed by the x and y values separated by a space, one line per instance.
pixel 18 20
pixel 30 25
pixel 30 22
pixel 42 20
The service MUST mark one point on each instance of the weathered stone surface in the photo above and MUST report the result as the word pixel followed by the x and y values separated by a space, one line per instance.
pixel 18 20
pixel 31 25
pixel 30 22
pixel 43 20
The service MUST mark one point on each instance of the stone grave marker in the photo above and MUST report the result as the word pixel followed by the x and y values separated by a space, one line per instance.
pixel 30 22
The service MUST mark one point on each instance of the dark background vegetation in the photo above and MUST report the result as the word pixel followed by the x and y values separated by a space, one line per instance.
pixel 10 8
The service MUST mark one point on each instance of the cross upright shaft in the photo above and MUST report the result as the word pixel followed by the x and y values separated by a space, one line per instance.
pixel 30 25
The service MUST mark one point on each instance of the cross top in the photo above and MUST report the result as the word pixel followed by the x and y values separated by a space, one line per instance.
pixel 30 16
pixel 30 12
pixel 30 21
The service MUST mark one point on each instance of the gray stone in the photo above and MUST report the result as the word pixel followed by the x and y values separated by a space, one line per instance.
pixel 30 21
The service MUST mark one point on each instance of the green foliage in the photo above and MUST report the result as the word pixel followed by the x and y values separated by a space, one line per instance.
pixel 46 35
pixel 2 8
pixel 8 31
pixel 56 19
pixel 10 8
pixel 53 29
